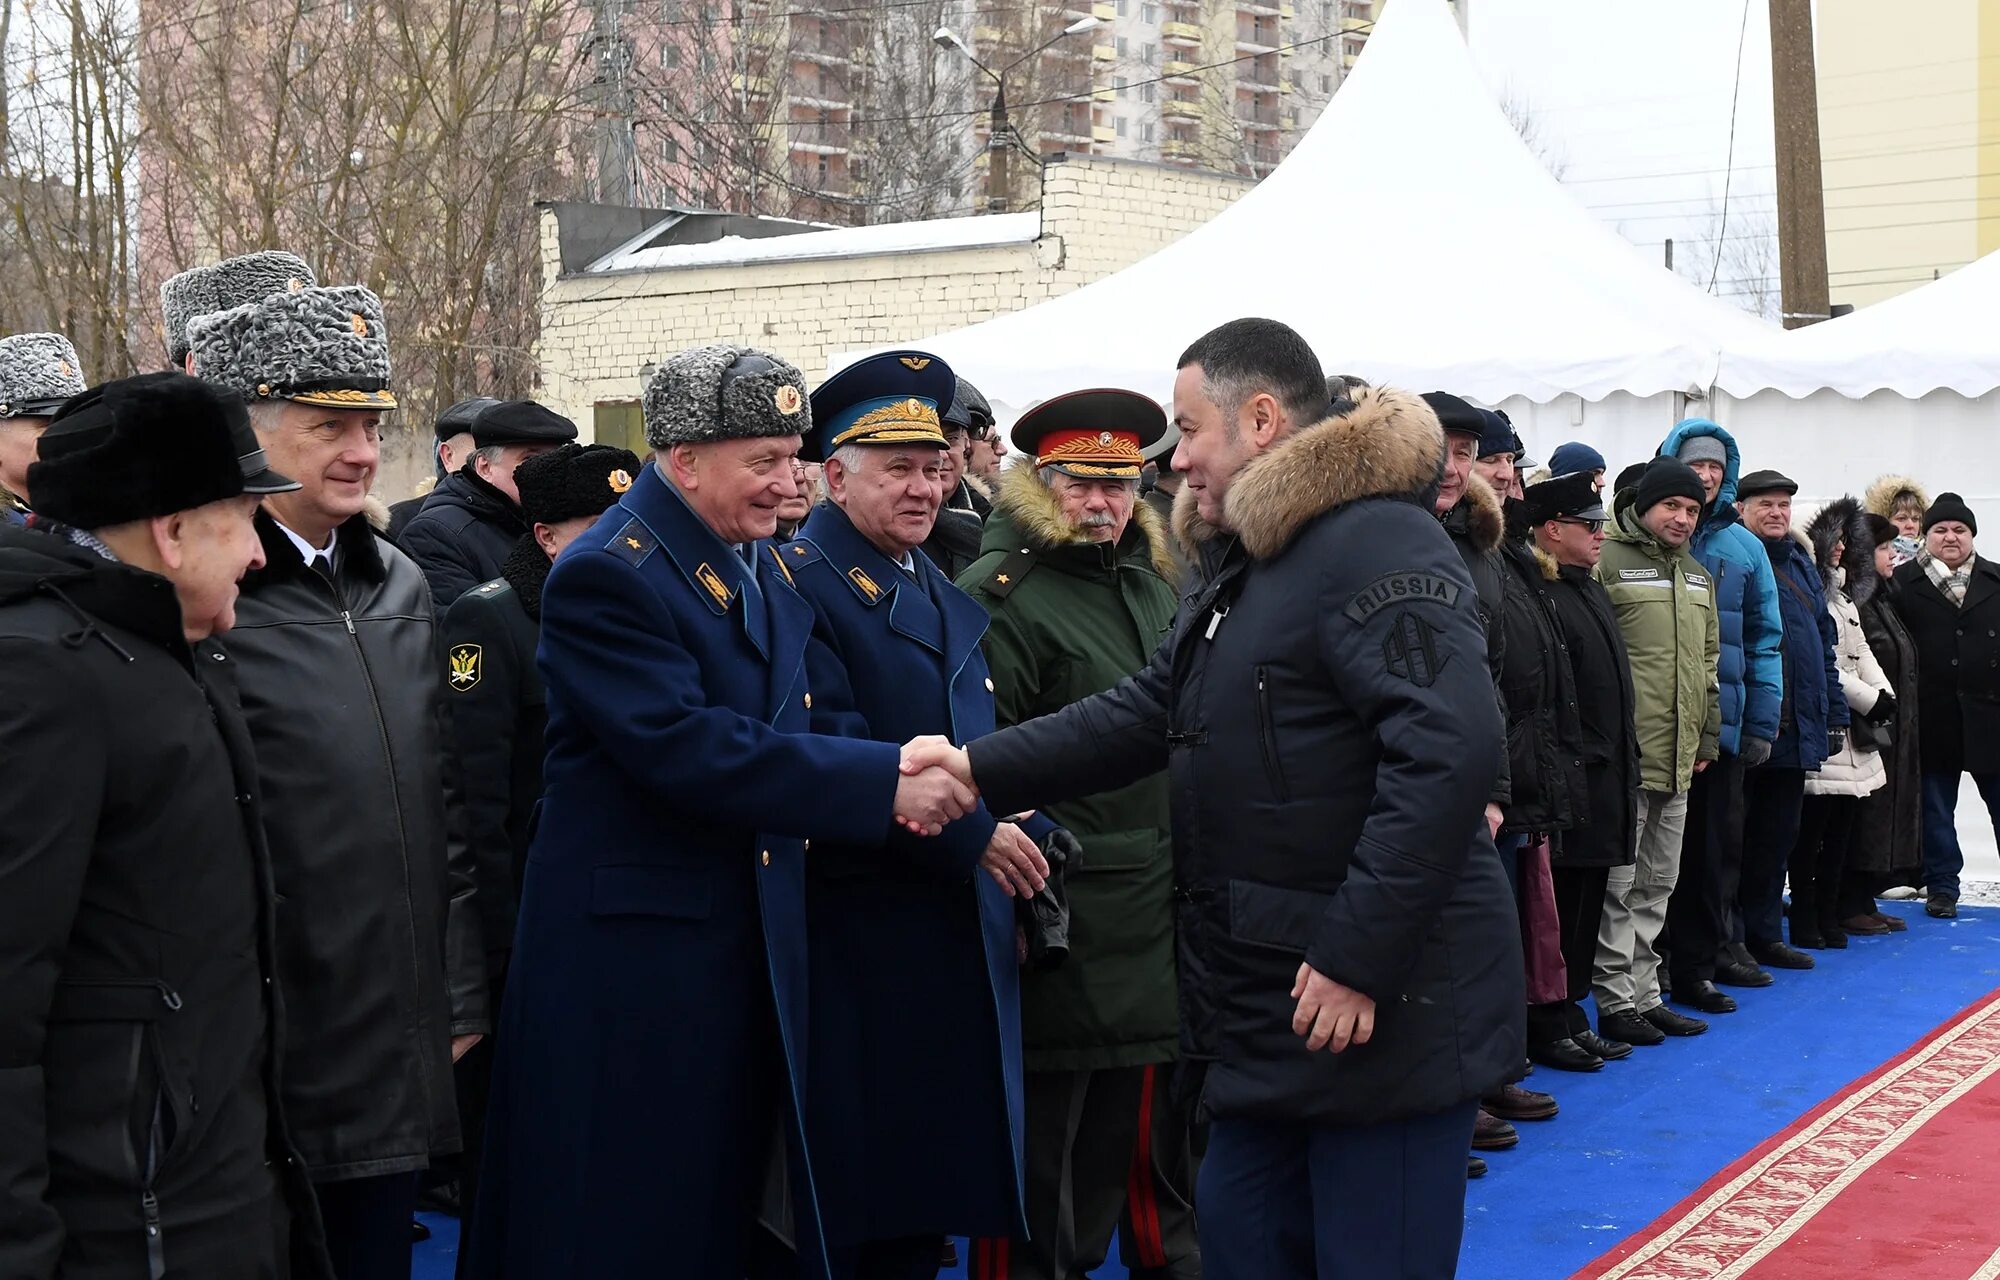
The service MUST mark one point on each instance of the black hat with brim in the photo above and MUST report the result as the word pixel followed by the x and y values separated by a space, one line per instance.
pixel 148 446
pixel 1455 415
pixel 1570 497
pixel 521 422
pixel 1765 482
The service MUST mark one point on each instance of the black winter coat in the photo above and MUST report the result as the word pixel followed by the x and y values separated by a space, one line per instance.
pixel 140 1126
pixel 1888 833
pixel 1538 690
pixel 1958 667
pixel 1602 676
pixel 499 720
pixel 378 932
pixel 954 541
pixel 1331 737
pixel 461 535
pixel 1476 528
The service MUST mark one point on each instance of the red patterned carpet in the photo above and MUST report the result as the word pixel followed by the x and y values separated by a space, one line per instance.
pixel 1898 1175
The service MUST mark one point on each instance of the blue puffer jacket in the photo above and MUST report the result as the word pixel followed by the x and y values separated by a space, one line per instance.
pixel 1814 704
pixel 1752 667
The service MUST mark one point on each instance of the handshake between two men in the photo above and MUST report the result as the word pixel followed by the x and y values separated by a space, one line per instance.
pixel 936 788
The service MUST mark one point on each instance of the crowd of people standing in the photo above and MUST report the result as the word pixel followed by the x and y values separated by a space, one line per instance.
pixel 829 835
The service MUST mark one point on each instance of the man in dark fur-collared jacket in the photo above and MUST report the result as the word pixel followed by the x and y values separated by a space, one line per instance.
pixel 1350 965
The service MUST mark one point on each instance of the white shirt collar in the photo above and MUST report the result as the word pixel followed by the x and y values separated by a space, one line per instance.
pixel 308 552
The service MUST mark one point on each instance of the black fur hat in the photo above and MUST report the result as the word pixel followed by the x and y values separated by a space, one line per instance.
pixel 147 446
pixel 574 480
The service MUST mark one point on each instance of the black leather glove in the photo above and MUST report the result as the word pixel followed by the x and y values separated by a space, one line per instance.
pixel 1836 742
pixel 1755 752
pixel 1044 918
pixel 1884 709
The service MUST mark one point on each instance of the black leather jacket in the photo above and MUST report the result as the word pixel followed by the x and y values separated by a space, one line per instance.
pixel 379 941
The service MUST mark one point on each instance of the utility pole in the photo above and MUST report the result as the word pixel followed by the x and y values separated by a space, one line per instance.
pixel 612 93
pixel 999 156
pixel 1801 195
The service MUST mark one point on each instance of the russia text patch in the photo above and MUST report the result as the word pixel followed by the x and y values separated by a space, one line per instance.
pixel 1406 587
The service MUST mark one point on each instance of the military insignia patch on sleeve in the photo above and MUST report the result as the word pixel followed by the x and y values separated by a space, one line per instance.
pixel 465 664
pixel 1410 650
pixel 633 543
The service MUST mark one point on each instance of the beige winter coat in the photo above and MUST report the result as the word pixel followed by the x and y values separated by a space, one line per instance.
pixel 1853 772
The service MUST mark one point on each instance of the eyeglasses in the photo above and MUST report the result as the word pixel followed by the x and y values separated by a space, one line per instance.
pixel 1595 526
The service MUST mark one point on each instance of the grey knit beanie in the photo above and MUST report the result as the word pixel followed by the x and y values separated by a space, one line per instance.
pixel 725 393
pixel 38 371
pixel 1703 449
pixel 201 291
pixel 326 347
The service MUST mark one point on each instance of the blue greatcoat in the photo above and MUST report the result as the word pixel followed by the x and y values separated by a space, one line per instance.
pixel 1751 666
pixel 641 1068
pixel 915 1096
pixel 1814 703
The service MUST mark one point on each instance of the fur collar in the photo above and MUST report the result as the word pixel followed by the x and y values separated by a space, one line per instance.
pixel 354 541
pixel 526 568
pixel 1478 517
pixel 1880 497
pixel 1844 518
pixel 1388 444
pixel 1551 569
pixel 1034 510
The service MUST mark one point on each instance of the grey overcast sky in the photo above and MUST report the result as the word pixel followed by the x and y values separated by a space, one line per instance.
pixel 1631 100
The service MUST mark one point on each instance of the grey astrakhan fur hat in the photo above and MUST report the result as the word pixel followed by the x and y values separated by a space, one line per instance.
pixel 725 393
pixel 201 291
pixel 38 371
pixel 325 347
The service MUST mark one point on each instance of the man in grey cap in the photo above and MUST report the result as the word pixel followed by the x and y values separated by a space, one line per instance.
pixel 449 451
pixel 139 1027
pixel 654 1035
pixel 201 291
pixel 472 519
pixel 38 371
pixel 383 964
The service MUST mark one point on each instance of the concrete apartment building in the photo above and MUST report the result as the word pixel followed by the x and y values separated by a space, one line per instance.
pixel 853 114
pixel 1909 109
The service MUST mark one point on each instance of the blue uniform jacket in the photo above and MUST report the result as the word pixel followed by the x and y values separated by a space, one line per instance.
pixel 663 913
pixel 916 1093
pixel 1814 703
pixel 1751 666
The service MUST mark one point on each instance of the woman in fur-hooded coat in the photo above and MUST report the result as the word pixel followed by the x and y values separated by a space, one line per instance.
pixel 1844 552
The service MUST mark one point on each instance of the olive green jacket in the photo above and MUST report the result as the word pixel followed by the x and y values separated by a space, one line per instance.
pixel 1665 602
pixel 1072 618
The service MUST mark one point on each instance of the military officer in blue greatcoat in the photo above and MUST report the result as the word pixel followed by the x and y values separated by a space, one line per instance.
pixel 653 1040
pixel 915 1094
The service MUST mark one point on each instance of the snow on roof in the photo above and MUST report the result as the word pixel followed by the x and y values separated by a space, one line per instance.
pixel 846 242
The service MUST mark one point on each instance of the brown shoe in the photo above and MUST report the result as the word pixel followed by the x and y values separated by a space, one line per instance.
pixel 1894 924
pixel 1864 926
pixel 1512 1102
pixel 1491 1133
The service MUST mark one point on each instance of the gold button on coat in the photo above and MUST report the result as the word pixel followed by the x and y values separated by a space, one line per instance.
pixel 767 857
pixel 809 702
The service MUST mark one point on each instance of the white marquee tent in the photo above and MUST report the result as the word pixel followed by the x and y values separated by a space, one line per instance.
pixel 1413 238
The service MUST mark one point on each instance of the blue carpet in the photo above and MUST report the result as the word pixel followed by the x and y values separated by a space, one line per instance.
pixel 1637 1137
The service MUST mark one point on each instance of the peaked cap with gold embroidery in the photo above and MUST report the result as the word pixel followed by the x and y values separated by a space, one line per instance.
pixel 898 397
pixel 1100 434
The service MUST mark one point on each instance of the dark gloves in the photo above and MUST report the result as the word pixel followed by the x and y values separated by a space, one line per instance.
pixel 1044 918
pixel 1884 709
pixel 1755 752
pixel 1836 742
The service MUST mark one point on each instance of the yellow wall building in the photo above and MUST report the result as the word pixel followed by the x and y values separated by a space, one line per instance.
pixel 1909 106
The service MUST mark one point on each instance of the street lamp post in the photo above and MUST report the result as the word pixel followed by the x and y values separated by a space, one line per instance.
pixel 1000 135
